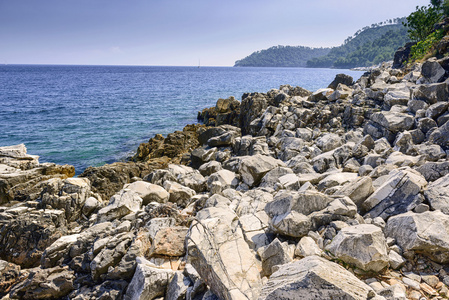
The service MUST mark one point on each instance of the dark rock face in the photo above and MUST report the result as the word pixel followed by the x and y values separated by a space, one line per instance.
pixel 402 55
pixel 26 233
pixel 109 179
pixel 343 79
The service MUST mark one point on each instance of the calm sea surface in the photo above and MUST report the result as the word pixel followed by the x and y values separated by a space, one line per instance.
pixel 92 115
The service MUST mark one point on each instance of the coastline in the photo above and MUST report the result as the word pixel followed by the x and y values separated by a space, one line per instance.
pixel 297 183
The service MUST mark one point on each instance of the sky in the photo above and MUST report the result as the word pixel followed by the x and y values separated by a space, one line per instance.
pixel 178 32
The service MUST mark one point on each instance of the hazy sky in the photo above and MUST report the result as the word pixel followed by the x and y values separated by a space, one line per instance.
pixel 177 32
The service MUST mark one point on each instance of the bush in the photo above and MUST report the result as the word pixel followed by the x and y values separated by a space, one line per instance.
pixel 421 48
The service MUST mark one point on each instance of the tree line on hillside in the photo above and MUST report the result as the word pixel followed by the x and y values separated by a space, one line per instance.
pixel 282 56
pixel 369 45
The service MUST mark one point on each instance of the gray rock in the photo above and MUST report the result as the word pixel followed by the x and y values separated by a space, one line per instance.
pixel 314 278
pixel 253 168
pixel 178 286
pixel 148 192
pixel 57 252
pixel 276 253
pixel 341 79
pixel 218 251
pixel 437 194
pixel 426 124
pixel 433 170
pixel 362 245
pixel 415 105
pixel 358 190
pixel 399 194
pixel 272 177
pixel 148 281
pixel 436 110
pixel 179 194
pixel 329 142
pixel 222 180
pixel 307 247
pixel 387 124
pixel 210 168
pixel 440 136
pixel 121 204
pixel 432 71
pixel 426 233
pixel 431 93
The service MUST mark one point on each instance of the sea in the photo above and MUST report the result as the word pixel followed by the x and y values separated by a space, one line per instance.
pixel 94 115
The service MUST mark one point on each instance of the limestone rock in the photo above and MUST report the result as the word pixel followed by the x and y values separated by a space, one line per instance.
pixel 362 245
pixel 148 192
pixel 149 282
pixel 426 233
pixel 358 190
pixel 437 194
pixel 307 247
pixel 57 252
pixel 169 241
pixel 179 194
pixel 314 278
pixel 253 168
pixel 219 253
pixel 222 180
pixel 388 124
pixel 9 275
pixel 399 194
pixel 121 204
pixel 276 253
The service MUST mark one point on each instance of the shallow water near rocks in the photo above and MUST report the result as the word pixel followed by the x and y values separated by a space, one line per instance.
pixel 92 115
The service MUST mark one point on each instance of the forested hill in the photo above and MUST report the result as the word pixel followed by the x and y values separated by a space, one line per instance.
pixel 368 46
pixel 282 56
pixel 371 46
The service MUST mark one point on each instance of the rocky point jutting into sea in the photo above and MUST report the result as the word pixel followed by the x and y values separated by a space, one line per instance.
pixel 341 193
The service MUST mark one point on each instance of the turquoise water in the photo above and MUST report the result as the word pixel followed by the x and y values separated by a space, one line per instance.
pixel 92 115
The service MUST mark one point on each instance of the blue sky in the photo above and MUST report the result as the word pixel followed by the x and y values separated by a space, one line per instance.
pixel 175 32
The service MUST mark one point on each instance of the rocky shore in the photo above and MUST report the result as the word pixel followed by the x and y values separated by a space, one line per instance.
pixel 341 193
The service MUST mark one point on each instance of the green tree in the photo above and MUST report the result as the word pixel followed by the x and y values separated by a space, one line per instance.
pixel 420 23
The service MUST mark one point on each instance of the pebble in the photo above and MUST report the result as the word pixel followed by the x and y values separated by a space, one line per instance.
pixel 411 283
pixel 431 280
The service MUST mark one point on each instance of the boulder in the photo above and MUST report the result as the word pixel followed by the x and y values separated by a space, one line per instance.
pixel 314 277
pixel 253 168
pixel 307 247
pixel 399 194
pixel 26 233
pixel 276 253
pixel 361 245
pixel 433 170
pixel 436 110
pixel 179 194
pixel 178 286
pixel 169 241
pixel 218 251
pixel 426 233
pixel 210 168
pixel 222 180
pixel 437 194
pixel 251 108
pixel 431 93
pixel 387 124
pixel 402 55
pixel 69 194
pixel 343 79
pixel 57 252
pixel 149 282
pixel 9 276
pixel 440 136
pixel 121 204
pixel 109 179
pixel 148 192
pixel 432 71
pixel 329 142
pixel 53 283
pixel 358 190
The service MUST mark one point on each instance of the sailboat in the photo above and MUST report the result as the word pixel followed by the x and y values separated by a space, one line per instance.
pixel 199 63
